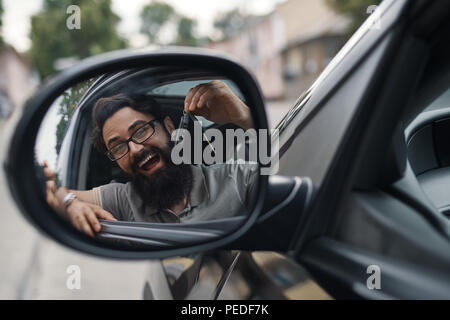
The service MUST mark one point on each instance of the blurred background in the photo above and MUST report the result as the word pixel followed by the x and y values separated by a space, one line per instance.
pixel 285 43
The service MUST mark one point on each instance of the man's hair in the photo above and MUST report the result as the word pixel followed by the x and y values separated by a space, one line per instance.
pixel 105 108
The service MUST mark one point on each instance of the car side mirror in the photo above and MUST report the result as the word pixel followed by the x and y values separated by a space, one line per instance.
pixel 126 155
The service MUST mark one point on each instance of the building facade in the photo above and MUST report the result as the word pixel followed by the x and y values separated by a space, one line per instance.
pixel 288 48
pixel 258 47
pixel 16 80
pixel 314 35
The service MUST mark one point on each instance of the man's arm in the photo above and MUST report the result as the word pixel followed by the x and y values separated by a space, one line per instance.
pixel 216 102
pixel 89 196
pixel 83 212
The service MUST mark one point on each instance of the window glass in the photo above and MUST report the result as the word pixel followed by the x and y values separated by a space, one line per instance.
pixel 181 88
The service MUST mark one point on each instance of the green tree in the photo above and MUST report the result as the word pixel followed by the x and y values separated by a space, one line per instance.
pixel 154 17
pixel 158 15
pixel 70 100
pixel 355 9
pixel 185 35
pixel 229 23
pixel 52 39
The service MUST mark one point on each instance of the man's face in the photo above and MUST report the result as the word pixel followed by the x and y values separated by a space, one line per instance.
pixel 160 183
pixel 144 158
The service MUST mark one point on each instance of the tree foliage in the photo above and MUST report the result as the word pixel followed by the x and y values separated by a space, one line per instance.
pixel 51 39
pixel 70 100
pixel 185 36
pixel 154 17
pixel 159 15
pixel 357 10
pixel 229 23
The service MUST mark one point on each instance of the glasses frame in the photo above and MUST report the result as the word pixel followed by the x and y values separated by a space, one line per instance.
pixel 127 142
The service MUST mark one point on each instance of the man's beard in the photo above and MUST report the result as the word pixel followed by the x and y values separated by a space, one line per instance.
pixel 167 186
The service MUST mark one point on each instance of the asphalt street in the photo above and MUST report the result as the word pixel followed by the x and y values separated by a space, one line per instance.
pixel 35 267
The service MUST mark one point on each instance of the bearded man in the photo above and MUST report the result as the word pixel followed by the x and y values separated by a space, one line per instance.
pixel 137 136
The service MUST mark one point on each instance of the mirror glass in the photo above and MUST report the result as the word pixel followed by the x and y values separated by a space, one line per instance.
pixel 131 156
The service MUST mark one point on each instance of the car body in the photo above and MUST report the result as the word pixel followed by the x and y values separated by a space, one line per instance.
pixel 375 200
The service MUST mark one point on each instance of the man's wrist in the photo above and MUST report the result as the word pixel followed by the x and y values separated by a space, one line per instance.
pixel 246 120
pixel 69 198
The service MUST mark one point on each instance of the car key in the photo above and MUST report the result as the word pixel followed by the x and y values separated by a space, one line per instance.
pixel 184 123
pixel 205 138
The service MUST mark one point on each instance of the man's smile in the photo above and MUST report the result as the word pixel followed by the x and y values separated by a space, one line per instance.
pixel 150 162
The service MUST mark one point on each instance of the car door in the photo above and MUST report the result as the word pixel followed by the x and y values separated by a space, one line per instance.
pixel 371 233
pixel 428 150
pixel 312 131
pixel 350 238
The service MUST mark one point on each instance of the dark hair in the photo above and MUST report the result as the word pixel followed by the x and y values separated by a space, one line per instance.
pixel 105 108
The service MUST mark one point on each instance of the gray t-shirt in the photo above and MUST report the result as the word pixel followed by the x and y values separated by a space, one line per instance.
pixel 218 191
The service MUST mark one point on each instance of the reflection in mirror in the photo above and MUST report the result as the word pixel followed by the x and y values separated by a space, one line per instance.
pixel 122 155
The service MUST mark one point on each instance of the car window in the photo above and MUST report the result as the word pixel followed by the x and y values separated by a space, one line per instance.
pixel 214 170
pixel 181 88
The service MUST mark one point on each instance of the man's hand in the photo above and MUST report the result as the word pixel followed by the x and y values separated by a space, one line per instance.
pixel 51 190
pixel 217 103
pixel 51 197
pixel 84 216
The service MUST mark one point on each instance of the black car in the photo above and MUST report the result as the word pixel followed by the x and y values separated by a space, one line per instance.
pixel 361 198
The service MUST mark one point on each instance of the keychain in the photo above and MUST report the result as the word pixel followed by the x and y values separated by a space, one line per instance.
pixel 184 124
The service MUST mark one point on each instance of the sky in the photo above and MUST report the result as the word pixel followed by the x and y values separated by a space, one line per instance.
pixel 16 17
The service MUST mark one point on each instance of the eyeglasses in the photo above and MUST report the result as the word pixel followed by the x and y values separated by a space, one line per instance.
pixel 139 136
